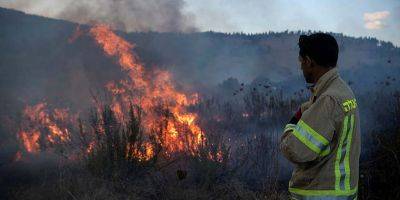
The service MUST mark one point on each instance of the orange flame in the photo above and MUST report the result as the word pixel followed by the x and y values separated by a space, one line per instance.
pixel 90 148
pixel 145 155
pixel 40 119
pixel 147 89
pixel 30 141
pixel 149 93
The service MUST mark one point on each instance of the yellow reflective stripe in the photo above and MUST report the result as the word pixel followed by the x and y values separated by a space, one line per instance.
pixel 342 162
pixel 316 135
pixel 325 151
pixel 323 192
pixel 347 158
pixel 311 138
pixel 289 127
pixel 339 154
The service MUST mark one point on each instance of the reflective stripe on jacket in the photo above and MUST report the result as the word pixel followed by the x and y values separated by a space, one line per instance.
pixel 324 145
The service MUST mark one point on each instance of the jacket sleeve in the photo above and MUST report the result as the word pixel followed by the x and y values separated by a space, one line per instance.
pixel 311 137
pixel 305 106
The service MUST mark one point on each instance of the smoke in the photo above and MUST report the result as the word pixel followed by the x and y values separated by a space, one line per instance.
pixel 126 15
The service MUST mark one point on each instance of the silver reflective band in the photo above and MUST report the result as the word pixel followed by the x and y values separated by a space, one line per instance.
pixel 310 138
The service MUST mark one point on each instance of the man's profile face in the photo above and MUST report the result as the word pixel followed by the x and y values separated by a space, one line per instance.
pixel 306 68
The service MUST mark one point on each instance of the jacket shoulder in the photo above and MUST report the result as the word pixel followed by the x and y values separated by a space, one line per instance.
pixel 341 92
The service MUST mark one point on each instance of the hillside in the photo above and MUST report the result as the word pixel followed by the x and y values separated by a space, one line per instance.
pixel 38 62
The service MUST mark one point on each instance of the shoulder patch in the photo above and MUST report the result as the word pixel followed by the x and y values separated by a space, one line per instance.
pixel 350 104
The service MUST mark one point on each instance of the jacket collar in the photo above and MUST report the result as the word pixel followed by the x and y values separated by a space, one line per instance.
pixel 324 81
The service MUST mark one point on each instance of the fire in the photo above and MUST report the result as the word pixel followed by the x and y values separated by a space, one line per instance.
pixel 149 93
pixel 42 124
pixel 150 90
pixel 218 157
pixel 146 154
pixel 90 147
pixel 30 141
pixel 114 45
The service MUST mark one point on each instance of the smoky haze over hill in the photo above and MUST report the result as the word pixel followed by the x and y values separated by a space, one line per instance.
pixel 39 63
pixel 128 15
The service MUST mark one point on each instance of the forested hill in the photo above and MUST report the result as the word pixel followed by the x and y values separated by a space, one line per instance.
pixel 38 62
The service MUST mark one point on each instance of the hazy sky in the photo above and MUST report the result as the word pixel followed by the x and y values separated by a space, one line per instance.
pixel 376 18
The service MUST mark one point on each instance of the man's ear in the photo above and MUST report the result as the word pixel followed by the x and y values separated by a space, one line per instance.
pixel 308 61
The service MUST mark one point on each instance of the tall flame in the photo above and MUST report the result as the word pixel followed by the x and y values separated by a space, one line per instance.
pixel 150 90
pixel 149 93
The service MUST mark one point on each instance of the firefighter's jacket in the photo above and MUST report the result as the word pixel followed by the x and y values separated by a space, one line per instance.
pixel 324 145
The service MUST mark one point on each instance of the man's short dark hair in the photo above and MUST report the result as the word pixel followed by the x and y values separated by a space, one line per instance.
pixel 320 47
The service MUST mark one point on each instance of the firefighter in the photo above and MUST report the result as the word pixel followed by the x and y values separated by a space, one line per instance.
pixel 322 140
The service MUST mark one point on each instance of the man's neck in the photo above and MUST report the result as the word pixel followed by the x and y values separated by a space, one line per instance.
pixel 320 73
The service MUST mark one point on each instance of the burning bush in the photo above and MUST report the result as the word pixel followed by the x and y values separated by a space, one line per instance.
pixel 118 150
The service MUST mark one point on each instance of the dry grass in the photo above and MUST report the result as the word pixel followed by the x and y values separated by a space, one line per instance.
pixel 250 166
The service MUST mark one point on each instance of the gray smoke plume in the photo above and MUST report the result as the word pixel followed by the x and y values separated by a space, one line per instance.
pixel 127 15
